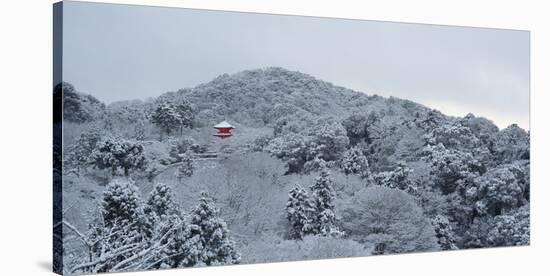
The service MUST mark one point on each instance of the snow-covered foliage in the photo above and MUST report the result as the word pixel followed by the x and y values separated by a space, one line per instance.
pixel 169 116
pixel 77 156
pixel 160 202
pixel 451 168
pixel 300 211
pixel 403 177
pixel 186 166
pixel 112 153
pixel 78 107
pixel 302 151
pixel 209 241
pixel 355 162
pixel 362 128
pixel 444 233
pixel 390 221
pixel 501 189
pixel 511 229
pixel 323 202
pixel 398 178
pixel 313 215
pixel 131 235
pixel 512 143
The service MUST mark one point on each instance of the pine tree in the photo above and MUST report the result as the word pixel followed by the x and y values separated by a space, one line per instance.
pixel 208 241
pixel 444 233
pixel 323 197
pixel 396 179
pixel 171 231
pixel 122 230
pixel 114 153
pixel 169 227
pixel 186 115
pixel 166 117
pixel 300 211
pixel 355 162
pixel 160 202
pixel 121 202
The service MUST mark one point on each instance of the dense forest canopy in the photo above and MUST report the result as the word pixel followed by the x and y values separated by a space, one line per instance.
pixel 313 170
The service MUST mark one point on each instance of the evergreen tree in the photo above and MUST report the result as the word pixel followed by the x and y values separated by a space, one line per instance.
pixel 121 202
pixel 444 233
pixel 160 202
pixel 166 117
pixel 511 229
pixel 323 197
pixel 208 240
pixel 122 230
pixel 355 162
pixel 396 179
pixel 116 153
pixel 300 211
pixel 171 231
pixel 501 189
pixel 186 114
pixel 77 157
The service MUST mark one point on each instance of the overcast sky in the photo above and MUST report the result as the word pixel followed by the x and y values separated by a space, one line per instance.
pixel 119 52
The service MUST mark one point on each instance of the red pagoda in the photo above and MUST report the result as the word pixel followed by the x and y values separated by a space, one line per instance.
pixel 224 130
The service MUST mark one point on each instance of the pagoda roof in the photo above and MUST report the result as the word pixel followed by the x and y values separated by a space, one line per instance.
pixel 223 124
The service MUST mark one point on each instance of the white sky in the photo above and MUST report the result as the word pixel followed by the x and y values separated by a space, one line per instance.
pixel 119 52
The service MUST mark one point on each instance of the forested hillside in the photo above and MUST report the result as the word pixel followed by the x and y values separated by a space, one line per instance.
pixel 312 171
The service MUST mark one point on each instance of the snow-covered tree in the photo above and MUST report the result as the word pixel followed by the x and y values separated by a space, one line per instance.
pixel 169 116
pixel 186 114
pixel 390 221
pixel 160 202
pixel 511 229
pixel 325 140
pixel 79 107
pixel 186 168
pixel 316 164
pixel 355 162
pixel 77 156
pixel 208 241
pixel 299 213
pixel 396 179
pixel 323 202
pixel 291 148
pixel 500 189
pixel 166 117
pixel 511 143
pixel 451 168
pixel 362 128
pixel 430 120
pixel 444 233
pixel 329 141
pixel 121 230
pixel 121 202
pixel 116 153
pixel 180 148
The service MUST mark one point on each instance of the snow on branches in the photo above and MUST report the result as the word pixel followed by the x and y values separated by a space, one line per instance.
pixel 313 215
pixel 131 235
